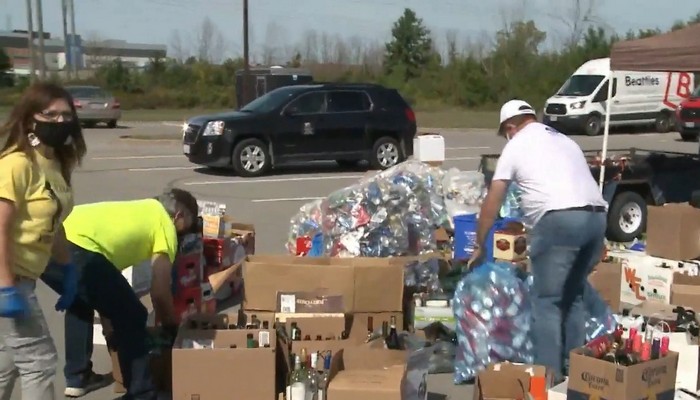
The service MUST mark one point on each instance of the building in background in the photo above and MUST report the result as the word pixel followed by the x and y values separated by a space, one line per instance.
pixel 86 54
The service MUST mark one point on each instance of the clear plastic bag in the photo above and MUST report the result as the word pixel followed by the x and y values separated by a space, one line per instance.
pixel 511 204
pixel 464 192
pixel 392 213
pixel 493 312
pixel 415 385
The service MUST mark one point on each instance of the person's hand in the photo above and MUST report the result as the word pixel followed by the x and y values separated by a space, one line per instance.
pixel 476 258
pixel 12 304
pixel 70 287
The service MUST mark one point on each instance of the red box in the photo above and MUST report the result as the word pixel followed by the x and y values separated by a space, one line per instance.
pixel 187 302
pixel 188 271
pixel 218 252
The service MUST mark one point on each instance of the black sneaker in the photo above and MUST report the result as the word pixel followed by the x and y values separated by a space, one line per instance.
pixel 91 383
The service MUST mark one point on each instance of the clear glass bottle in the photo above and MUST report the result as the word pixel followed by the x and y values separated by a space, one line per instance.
pixel 324 377
pixel 297 381
pixel 312 378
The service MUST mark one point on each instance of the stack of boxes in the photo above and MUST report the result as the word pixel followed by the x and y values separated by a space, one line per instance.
pixel 225 244
pixel 191 292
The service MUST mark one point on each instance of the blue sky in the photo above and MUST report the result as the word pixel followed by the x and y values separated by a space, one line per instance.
pixel 278 22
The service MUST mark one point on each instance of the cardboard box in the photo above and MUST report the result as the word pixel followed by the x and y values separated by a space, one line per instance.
pixel 643 278
pixel 360 373
pixel 160 364
pixel 673 231
pixel 685 291
pixel 365 284
pixel 506 384
pixel 606 279
pixel 215 371
pixel 510 243
pixel 593 378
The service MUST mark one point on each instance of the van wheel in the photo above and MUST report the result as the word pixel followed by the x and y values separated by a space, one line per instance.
pixel 662 124
pixel 593 125
pixel 251 158
pixel 627 217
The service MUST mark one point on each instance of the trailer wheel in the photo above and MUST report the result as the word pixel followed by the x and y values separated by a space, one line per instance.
pixel 627 217
pixel 593 125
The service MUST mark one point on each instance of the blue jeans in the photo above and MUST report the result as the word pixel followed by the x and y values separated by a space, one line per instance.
pixel 565 246
pixel 102 288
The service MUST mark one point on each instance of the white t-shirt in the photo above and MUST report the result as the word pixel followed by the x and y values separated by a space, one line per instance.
pixel 550 170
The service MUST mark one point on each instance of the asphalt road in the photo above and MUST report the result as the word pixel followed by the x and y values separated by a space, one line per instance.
pixel 118 169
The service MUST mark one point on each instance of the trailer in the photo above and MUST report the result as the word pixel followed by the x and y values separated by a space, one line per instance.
pixel 264 79
pixel 634 179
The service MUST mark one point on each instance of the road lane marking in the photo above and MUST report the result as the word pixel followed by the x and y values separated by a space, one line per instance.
pixel 286 199
pixel 138 157
pixel 159 169
pixel 468 148
pixel 276 180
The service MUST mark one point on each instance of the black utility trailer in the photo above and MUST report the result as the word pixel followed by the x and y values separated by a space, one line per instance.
pixel 265 79
pixel 634 178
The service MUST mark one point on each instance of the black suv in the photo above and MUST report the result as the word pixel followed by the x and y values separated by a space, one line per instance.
pixel 347 123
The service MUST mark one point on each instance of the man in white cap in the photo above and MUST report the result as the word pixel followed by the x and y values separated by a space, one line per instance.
pixel 566 217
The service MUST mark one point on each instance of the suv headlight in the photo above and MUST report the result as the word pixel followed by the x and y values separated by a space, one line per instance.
pixel 214 128
pixel 578 105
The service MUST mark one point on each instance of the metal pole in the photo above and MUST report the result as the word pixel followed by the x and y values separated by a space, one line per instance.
pixel 606 129
pixel 66 48
pixel 246 56
pixel 30 42
pixel 75 62
pixel 42 50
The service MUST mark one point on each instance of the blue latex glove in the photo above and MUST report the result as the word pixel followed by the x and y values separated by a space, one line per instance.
pixel 12 304
pixel 70 287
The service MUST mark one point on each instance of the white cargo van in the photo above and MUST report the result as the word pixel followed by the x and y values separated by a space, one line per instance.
pixel 638 98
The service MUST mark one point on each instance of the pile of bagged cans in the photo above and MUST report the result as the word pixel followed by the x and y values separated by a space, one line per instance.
pixel 392 213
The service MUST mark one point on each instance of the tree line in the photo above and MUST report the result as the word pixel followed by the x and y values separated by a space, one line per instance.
pixel 479 75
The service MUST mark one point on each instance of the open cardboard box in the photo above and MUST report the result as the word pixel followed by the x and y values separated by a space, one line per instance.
pixel 366 284
pixel 361 373
pixel 205 372
pixel 504 384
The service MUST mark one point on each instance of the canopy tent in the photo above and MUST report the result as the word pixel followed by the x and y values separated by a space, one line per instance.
pixel 673 51
pixel 677 51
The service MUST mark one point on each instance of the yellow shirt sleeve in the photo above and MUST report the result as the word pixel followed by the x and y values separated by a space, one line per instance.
pixel 15 176
pixel 165 239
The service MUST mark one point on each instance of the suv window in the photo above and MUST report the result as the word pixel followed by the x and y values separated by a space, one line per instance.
pixel 348 101
pixel 308 103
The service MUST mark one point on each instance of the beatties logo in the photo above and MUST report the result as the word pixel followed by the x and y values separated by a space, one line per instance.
pixel 595 382
pixel 652 376
pixel 643 81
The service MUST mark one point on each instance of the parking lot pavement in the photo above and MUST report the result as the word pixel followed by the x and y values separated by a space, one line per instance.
pixel 117 169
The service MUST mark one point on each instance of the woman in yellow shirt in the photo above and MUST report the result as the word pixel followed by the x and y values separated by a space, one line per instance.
pixel 40 145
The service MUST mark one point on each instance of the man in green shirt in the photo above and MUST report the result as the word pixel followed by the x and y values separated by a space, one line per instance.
pixel 106 238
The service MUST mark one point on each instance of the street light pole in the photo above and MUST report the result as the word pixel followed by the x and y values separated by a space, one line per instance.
pixel 246 56
pixel 30 42
pixel 66 47
pixel 42 50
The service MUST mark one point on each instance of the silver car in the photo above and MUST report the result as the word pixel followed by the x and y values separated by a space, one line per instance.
pixel 95 105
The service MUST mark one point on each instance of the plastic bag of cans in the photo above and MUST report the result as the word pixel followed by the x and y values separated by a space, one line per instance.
pixel 493 309
pixel 464 192
pixel 393 213
pixel 423 275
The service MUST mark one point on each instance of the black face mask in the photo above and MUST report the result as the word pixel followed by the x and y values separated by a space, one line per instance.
pixel 54 134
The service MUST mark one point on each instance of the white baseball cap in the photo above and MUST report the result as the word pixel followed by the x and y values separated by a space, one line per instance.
pixel 513 108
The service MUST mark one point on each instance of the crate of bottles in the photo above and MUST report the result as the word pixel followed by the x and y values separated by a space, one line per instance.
pixel 213 354
pixel 610 367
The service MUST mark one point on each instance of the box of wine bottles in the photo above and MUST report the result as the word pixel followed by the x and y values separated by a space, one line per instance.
pixel 212 356
pixel 621 375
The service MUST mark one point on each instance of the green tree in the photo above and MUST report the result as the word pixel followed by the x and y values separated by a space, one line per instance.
pixel 410 48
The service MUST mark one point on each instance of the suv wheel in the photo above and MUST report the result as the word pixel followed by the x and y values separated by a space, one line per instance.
pixel 385 153
pixel 251 158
